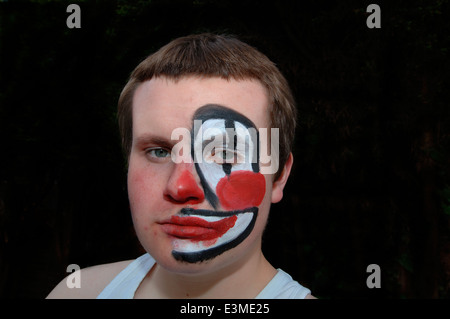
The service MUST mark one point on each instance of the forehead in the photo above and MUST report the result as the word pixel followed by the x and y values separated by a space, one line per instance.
pixel 162 104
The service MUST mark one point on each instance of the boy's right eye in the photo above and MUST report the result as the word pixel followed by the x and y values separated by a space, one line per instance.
pixel 157 153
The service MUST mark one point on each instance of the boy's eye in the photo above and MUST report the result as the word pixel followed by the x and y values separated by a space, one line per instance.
pixel 223 156
pixel 158 152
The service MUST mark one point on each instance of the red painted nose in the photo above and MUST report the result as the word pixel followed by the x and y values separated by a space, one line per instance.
pixel 182 187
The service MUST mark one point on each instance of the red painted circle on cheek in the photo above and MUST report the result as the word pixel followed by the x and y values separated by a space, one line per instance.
pixel 241 189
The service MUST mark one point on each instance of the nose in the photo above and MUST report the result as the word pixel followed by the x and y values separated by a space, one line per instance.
pixel 182 188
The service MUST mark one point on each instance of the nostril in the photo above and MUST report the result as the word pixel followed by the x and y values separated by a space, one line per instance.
pixel 185 200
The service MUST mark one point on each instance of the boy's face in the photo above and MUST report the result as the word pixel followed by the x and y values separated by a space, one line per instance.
pixel 198 198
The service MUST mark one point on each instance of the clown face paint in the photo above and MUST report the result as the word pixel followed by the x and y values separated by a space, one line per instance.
pixel 205 234
pixel 225 149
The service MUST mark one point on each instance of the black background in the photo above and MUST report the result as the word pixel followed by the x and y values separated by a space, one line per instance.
pixel 370 183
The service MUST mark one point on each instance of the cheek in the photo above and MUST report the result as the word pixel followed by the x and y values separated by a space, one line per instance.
pixel 241 189
pixel 135 185
pixel 141 189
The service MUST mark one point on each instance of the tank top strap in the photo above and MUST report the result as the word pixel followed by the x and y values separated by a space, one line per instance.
pixel 125 284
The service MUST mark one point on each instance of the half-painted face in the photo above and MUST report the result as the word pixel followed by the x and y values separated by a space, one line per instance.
pixel 213 205
pixel 224 146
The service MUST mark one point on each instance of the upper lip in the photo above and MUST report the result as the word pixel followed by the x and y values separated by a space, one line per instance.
pixel 184 213
pixel 196 228
pixel 193 224
pixel 187 221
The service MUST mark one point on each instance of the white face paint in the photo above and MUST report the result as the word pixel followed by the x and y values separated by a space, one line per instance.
pixel 225 153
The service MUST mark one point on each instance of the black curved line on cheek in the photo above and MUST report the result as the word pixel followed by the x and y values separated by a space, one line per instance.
pixel 210 195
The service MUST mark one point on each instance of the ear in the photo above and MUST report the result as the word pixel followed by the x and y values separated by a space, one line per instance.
pixel 278 185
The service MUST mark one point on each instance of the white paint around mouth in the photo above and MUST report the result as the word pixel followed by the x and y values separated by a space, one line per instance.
pixel 189 246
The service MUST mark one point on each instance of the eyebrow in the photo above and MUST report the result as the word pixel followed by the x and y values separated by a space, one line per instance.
pixel 150 139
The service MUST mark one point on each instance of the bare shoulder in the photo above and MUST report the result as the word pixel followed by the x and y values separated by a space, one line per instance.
pixel 309 296
pixel 92 281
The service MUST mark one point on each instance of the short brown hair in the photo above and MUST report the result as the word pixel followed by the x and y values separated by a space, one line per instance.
pixel 211 55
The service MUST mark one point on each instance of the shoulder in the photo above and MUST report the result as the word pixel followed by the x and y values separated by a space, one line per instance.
pixel 283 286
pixel 92 281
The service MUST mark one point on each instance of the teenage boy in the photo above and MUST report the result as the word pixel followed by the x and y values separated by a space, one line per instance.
pixel 207 123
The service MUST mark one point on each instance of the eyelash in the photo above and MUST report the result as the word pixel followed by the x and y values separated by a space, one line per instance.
pixel 220 156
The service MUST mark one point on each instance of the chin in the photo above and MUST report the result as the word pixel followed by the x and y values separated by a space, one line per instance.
pixel 202 267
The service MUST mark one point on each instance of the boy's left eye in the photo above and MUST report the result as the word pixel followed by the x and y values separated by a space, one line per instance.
pixel 222 156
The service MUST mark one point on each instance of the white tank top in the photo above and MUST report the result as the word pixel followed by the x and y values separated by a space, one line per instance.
pixel 125 284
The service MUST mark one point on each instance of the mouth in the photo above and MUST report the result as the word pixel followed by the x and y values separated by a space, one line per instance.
pixel 198 229
pixel 199 234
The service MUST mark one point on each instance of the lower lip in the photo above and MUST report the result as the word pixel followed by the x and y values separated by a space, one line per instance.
pixel 197 229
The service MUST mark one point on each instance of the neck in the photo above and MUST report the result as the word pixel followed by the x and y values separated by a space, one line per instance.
pixel 244 278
